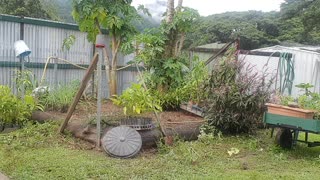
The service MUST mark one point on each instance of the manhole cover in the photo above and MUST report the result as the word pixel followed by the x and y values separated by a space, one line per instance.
pixel 122 141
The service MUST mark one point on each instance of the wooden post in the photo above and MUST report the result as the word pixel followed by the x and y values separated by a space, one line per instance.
pixel 99 96
pixel 100 46
pixel 76 99
pixel 55 72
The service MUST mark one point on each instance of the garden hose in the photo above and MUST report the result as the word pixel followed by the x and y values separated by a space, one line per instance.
pixel 286 69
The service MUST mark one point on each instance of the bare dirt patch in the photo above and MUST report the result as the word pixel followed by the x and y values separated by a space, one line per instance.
pixel 173 123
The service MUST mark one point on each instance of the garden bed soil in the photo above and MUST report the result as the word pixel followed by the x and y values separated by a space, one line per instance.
pixel 174 123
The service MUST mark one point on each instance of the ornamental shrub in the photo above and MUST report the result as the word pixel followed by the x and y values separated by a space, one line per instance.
pixel 236 96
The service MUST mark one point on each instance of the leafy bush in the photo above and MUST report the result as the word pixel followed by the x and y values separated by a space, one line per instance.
pixel 195 80
pixel 61 97
pixel 236 96
pixel 14 110
pixel 136 100
pixel 171 99
pixel 169 77
pixel 165 78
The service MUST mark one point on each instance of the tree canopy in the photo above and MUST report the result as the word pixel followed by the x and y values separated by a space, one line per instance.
pixel 117 17
pixel 298 21
pixel 29 8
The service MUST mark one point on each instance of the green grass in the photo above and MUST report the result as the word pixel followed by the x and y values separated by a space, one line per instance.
pixel 38 152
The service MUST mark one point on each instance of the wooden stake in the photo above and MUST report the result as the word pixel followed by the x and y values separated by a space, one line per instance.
pixel 83 85
pixel 99 96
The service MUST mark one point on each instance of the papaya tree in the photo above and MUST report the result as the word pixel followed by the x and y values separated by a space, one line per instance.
pixel 165 67
pixel 114 16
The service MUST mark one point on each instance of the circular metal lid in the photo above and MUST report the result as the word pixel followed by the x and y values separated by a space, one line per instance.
pixel 138 123
pixel 122 141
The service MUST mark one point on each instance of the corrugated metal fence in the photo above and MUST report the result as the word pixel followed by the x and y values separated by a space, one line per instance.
pixel 45 39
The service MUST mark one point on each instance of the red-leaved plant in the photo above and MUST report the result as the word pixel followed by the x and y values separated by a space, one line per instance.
pixel 236 95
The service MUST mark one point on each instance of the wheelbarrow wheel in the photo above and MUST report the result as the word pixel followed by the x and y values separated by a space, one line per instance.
pixel 284 138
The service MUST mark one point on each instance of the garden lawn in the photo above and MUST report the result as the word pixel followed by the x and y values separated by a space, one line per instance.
pixel 38 152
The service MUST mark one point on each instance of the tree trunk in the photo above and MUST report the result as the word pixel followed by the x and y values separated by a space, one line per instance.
pixel 113 70
pixel 111 77
pixel 169 47
pixel 179 38
pixel 170 11
pixel 179 5
pixel 107 64
pixel 181 42
pixel 113 81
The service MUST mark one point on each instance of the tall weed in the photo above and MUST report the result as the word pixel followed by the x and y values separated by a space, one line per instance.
pixel 60 98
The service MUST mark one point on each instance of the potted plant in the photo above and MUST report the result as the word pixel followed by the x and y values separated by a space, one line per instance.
pixel 305 106
pixel 289 111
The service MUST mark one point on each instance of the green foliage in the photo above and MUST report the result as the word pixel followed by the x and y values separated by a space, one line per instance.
pixel 311 102
pixel 173 81
pixel 163 76
pixel 308 100
pixel 166 72
pixel 13 110
pixel 208 134
pixel 61 97
pixel 305 87
pixel 64 9
pixel 152 41
pixel 171 99
pixel 183 20
pixel 136 100
pixel 195 80
pixel 298 21
pixel 115 16
pixel 236 96
pixel 32 136
pixel 285 100
pixel 189 88
pixel 255 29
pixel 68 42
pixel 39 152
pixel 25 80
pixel 28 8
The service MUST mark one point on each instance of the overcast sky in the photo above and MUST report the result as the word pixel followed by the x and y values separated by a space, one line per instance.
pixel 208 7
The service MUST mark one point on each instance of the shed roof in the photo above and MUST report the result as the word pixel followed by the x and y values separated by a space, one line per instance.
pixel 310 49
pixel 209 47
